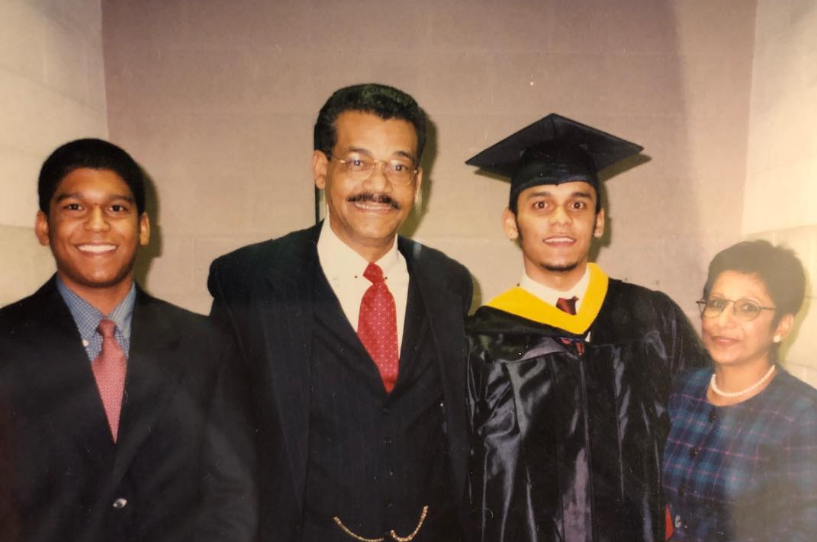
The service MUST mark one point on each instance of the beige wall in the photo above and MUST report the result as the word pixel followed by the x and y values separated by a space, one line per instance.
pixel 52 89
pixel 780 200
pixel 217 99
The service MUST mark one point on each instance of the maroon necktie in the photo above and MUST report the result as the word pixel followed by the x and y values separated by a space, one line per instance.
pixel 109 369
pixel 569 306
pixel 377 326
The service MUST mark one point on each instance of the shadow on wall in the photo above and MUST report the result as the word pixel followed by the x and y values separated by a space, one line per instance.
pixel 424 197
pixel 604 175
pixel 147 254
pixel 429 157
pixel 808 305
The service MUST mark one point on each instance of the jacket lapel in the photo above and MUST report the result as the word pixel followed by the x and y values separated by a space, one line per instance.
pixel 154 371
pixel 59 376
pixel 444 313
pixel 286 309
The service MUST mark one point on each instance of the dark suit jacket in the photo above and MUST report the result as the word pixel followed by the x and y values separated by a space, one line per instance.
pixel 69 481
pixel 264 295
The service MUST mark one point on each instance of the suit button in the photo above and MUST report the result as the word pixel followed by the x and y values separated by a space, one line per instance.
pixel 386 410
pixel 391 473
pixel 120 503
pixel 389 504
pixel 693 452
pixel 387 441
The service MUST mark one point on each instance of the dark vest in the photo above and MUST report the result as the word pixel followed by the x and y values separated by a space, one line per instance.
pixel 375 459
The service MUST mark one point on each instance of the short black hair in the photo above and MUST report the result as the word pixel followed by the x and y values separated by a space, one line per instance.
pixel 93 154
pixel 777 267
pixel 384 101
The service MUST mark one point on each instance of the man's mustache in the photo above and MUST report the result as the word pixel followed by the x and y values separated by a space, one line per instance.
pixel 374 198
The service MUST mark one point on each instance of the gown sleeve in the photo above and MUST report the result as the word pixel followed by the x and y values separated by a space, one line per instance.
pixel 500 489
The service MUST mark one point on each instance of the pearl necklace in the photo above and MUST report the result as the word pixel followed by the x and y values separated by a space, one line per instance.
pixel 753 387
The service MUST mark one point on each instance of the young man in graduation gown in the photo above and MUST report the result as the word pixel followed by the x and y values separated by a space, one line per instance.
pixel 103 388
pixel 569 372
pixel 352 344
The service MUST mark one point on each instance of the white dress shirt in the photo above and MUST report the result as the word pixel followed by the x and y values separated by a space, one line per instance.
pixel 549 295
pixel 344 269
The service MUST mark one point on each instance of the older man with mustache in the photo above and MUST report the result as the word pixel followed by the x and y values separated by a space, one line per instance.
pixel 352 348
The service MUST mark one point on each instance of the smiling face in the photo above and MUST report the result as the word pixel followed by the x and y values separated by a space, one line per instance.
pixel 367 214
pixel 733 342
pixel 93 229
pixel 555 225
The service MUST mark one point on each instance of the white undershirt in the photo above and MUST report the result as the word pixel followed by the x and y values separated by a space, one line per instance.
pixel 343 268
pixel 549 295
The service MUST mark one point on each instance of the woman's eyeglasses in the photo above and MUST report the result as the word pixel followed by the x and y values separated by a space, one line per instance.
pixel 743 309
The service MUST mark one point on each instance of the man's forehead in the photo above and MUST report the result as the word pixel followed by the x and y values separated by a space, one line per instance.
pixel 361 130
pixel 86 180
pixel 566 189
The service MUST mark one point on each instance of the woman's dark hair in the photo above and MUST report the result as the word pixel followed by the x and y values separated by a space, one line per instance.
pixel 93 154
pixel 381 100
pixel 777 267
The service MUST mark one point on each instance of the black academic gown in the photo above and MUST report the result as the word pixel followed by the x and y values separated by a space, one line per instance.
pixel 567 446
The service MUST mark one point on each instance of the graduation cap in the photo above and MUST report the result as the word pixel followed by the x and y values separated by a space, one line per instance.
pixel 553 150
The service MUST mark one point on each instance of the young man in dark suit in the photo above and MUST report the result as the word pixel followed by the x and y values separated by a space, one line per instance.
pixel 104 389
pixel 352 344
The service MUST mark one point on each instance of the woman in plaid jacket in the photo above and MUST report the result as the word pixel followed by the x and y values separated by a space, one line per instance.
pixel 740 462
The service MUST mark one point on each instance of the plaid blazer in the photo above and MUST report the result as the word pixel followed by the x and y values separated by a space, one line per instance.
pixel 745 472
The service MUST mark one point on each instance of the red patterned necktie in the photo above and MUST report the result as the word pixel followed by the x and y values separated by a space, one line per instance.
pixel 109 369
pixel 569 306
pixel 377 326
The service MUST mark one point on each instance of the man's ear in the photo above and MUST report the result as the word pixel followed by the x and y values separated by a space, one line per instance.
pixel 320 165
pixel 509 224
pixel 418 189
pixel 598 229
pixel 144 229
pixel 41 228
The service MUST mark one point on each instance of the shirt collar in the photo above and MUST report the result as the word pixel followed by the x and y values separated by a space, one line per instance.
pixel 87 317
pixel 340 260
pixel 550 295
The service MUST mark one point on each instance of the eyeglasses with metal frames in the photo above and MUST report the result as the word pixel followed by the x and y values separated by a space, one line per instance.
pixel 743 309
pixel 360 167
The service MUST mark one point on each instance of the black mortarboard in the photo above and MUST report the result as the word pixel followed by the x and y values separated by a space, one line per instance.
pixel 553 150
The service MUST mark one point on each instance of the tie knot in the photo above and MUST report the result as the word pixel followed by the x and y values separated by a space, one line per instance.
pixel 567 305
pixel 106 328
pixel 373 273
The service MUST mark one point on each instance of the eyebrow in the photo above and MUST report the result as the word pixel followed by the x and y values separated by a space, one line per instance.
pixel 397 153
pixel 576 194
pixel 69 195
pixel 718 295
